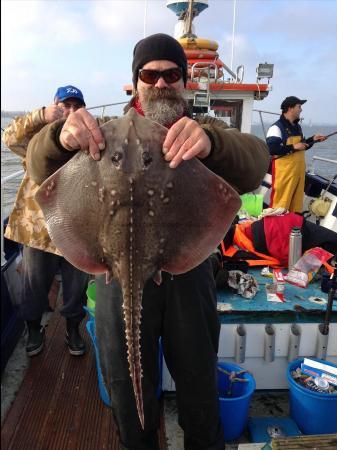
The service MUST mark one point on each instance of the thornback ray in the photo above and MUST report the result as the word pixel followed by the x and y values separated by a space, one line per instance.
pixel 130 215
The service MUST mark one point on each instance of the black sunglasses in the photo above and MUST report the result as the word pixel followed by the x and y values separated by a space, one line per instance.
pixel 152 76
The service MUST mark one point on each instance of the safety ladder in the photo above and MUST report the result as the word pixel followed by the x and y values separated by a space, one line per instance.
pixel 203 75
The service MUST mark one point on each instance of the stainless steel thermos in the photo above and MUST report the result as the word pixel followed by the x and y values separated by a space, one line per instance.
pixel 295 246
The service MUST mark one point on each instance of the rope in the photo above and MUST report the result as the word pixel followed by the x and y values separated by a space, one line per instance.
pixel 232 378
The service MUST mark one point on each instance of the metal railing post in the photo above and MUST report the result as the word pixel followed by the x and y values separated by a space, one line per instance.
pixel 262 124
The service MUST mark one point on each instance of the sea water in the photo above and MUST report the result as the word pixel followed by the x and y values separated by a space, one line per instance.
pixel 10 163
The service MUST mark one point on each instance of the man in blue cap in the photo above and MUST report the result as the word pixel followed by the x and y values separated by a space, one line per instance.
pixel 69 98
pixel 26 225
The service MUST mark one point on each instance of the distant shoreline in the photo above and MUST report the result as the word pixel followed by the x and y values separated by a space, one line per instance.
pixel 12 113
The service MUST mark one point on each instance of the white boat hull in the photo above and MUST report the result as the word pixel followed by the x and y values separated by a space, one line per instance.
pixel 269 367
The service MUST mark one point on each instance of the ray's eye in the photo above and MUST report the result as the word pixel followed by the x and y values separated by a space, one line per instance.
pixel 116 157
pixel 147 158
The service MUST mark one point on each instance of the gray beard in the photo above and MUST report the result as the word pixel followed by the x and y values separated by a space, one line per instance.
pixel 164 107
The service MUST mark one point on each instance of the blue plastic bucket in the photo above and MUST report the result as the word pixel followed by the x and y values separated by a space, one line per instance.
pixel 234 406
pixel 314 413
pixel 101 386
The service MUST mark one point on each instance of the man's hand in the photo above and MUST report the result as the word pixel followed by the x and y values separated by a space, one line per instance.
pixel 319 138
pixel 81 132
pixel 300 146
pixel 52 113
pixel 184 140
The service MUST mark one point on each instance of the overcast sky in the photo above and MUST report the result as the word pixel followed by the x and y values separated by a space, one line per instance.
pixel 51 43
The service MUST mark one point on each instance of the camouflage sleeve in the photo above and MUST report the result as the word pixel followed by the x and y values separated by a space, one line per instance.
pixel 19 132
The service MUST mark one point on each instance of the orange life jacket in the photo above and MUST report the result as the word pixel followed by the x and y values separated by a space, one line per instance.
pixel 328 267
pixel 241 241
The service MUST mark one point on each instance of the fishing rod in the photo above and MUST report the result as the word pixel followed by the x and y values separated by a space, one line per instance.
pixel 331 134
pixel 326 137
pixel 332 283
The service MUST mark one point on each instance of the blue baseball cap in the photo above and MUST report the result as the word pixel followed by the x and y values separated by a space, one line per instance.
pixel 69 91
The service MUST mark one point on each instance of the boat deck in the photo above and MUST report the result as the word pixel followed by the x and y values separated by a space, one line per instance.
pixel 301 305
pixel 58 405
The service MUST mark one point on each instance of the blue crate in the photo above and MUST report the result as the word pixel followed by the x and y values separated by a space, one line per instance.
pixel 261 428
pixel 102 389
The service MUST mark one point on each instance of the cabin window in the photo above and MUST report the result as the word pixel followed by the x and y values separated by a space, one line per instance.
pixel 230 111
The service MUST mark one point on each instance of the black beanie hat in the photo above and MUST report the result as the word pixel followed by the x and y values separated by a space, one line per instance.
pixel 158 47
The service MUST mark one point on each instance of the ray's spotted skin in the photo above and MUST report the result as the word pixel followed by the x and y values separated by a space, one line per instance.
pixel 125 211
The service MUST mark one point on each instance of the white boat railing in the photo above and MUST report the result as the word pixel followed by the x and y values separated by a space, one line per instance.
pixel 319 158
pixel 4 181
pixel 105 106
pixel 260 111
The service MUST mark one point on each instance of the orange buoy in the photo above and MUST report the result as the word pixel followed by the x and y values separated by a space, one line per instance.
pixel 198 43
pixel 201 54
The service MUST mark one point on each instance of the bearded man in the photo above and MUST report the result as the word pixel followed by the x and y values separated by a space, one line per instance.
pixel 182 309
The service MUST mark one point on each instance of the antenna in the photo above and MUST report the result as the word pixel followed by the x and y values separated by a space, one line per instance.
pixel 233 32
pixel 189 18
pixel 187 10
pixel 145 18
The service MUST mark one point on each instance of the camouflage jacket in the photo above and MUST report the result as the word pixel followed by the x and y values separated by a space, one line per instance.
pixel 26 223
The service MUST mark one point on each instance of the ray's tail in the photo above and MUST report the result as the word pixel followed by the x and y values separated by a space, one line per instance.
pixel 132 316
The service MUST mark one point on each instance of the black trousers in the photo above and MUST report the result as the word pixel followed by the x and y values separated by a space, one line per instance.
pixel 318 236
pixel 182 310
pixel 39 269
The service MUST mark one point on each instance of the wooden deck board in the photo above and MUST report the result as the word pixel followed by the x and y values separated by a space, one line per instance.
pixel 314 442
pixel 58 406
